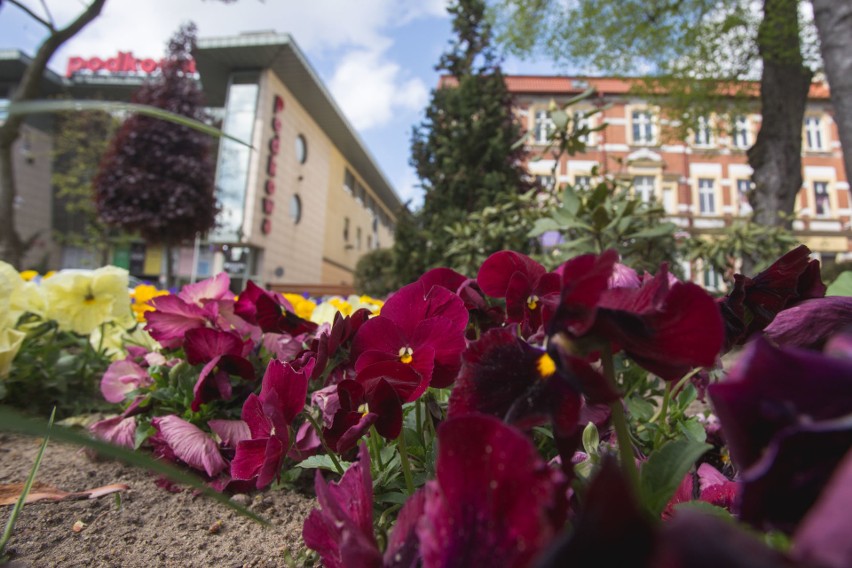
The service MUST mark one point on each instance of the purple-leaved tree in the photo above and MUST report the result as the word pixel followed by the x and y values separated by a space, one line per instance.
pixel 157 177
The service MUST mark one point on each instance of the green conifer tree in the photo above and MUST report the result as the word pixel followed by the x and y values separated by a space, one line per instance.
pixel 465 151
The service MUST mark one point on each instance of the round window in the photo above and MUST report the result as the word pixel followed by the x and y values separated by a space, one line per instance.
pixel 301 149
pixel 296 208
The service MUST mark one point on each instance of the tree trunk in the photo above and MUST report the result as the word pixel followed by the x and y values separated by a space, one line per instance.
pixel 834 25
pixel 776 156
pixel 11 246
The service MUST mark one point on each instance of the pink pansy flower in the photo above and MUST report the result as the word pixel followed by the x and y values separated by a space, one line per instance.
pixel 123 377
pixel 179 439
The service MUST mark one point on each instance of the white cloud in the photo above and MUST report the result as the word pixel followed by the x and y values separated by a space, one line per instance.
pixel 408 188
pixel 371 89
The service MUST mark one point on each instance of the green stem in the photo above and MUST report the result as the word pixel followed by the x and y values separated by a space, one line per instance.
pixel 662 417
pixel 418 416
pixel 328 451
pixel 619 421
pixel 375 449
pixel 406 466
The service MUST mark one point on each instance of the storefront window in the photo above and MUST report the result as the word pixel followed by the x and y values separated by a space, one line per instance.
pixel 233 167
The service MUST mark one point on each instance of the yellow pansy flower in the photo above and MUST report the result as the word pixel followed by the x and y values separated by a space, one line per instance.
pixel 80 301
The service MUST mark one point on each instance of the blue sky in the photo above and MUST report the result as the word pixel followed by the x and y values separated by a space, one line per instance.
pixel 377 57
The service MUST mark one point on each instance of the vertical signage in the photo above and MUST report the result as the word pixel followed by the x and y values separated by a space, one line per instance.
pixel 268 202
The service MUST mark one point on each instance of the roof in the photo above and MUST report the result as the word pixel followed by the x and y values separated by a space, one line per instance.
pixel 13 63
pixel 557 85
pixel 216 58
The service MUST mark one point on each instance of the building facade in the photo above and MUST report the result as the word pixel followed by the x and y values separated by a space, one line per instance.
pixel 702 181
pixel 301 201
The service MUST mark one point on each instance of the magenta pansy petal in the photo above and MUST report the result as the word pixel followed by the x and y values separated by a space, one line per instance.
pixel 231 432
pixel 116 430
pixel 172 318
pixel 216 288
pixel 121 378
pixel 202 344
pixel 255 418
pixel 405 380
pixel 413 303
pixel 249 459
pixel 212 384
pixel 499 268
pixel 517 294
pixel 341 530
pixel 378 334
pixel 191 445
pixel 273 458
pixel 491 481
pixel 403 550
pixel 385 403
pixel 289 388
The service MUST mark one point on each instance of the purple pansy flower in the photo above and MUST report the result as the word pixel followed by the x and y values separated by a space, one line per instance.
pixel 809 324
pixel 177 439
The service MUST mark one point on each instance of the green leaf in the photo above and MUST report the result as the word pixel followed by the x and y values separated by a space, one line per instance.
pixel 322 461
pixel 28 484
pixel 13 421
pixel 42 106
pixel 658 231
pixel 591 439
pixel 664 470
pixel 543 225
pixel 842 285
pixel 396 497
pixel 693 430
pixel 640 408
pixel 705 507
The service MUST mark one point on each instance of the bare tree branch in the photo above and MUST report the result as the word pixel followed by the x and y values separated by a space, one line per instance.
pixel 33 15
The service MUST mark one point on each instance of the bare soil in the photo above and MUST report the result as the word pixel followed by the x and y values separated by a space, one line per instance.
pixel 151 527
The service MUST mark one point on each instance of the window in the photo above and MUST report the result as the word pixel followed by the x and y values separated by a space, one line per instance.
pixel 643 187
pixel 346 229
pixel 296 209
pixel 358 238
pixel 813 133
pixel 822 204
pixel 301 149
pixel 582 121
pixel 582 182
pixel 643 127
pixel 703 134
pixel 743 187
pixel 711 279
pixel 706 197
pixel 360 193
pixel 544 127
pixel 547 182
pixel 349 182
pixel 741 132
pixel 369 242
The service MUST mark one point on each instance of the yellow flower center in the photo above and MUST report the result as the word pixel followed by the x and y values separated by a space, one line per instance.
pixel 545 365
pixel 89 299
pixel 364 409
pixel 406 354
pixel 532 302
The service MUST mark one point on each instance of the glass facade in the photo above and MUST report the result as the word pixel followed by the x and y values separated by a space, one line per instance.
pixel 232 170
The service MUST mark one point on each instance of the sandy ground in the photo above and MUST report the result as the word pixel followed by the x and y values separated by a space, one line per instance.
pixel 152 527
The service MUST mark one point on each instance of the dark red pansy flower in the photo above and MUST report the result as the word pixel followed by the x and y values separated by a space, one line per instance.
pixel 341 530
pixel 706 484
pixel 754 302
pixel 770 389
pixel 531 292
pixel 611 529
pixel 482 315
pixel 417 327
pixel 666 328
pixel 269 416
pixel 270 311
pixel 811 323
pixel 246 304
pixel 223 354
pixel 781 487
pixel 331 348
pixel 504 376
pixel 493 502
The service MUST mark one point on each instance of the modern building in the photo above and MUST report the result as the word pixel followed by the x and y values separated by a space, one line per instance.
pixel 703 181
pixel 300 205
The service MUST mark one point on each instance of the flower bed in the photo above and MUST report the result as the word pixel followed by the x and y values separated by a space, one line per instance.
pixel 520 418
